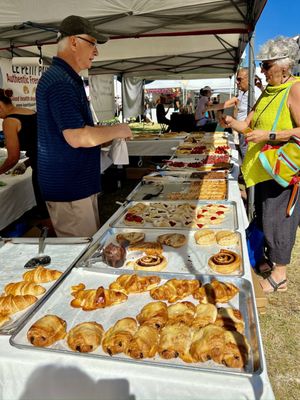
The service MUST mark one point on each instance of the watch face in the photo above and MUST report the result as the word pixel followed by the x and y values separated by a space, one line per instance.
pixel 272 136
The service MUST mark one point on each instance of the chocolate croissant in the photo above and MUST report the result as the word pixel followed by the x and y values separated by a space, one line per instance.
pixel 175 289
pixel 134 283
pixel 41 275
pixel 144 343
pixel 12 304
pixel 216 292
pixel 208 344
pixel 205 314
pixel 46 331
pixel 21 288
pixel 117 338
pixel 231 319
pixel 85 337
pixel 154 314
pixel 181 312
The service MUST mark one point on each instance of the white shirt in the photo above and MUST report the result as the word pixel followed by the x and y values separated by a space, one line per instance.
pixel 243 103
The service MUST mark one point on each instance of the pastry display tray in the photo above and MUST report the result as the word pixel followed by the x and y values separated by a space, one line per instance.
pixel 230 220
pixel 15 252
pixel 190 258
pixel 174 176
pixel 163 189
pixel 58 303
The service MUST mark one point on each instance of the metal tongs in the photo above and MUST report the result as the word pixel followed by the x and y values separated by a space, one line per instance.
pixel 40 259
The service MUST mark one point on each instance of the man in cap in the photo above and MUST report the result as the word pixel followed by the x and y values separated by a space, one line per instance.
pixel 203 122
pixel 68 141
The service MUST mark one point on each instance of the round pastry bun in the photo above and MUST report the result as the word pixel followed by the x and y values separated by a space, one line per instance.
pixel 131 237
pixel 227 238
pixel 225 262
pixel 175 240
pixel 154 262
pixel 205 237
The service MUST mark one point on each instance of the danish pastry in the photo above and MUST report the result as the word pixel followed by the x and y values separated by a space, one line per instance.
pixel 175 289
pixel 182 312
pixel 155 262
pixel 227 238
pixel 85 337
pixel 144 343
pixel 208 343
pixel 205 314
pixel 216 292
pixel 41 275
pixel 236 350
pixel 12 304
pixel 225 262
pixel 153 314
pixel 231 319
pixel 131 237
pixel 133 219
pixel 21 288
pixel 205 237
pixel 134 283
pixel 117 338
pixel 172 239
pixel 147 247
pixel 46 331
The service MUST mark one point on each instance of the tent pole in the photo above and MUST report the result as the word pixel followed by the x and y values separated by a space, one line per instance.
pixel 122 97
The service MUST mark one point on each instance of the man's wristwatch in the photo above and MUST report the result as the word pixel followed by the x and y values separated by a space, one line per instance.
pixel 272 135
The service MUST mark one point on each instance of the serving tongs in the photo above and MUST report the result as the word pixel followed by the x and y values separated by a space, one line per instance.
pixel 40 259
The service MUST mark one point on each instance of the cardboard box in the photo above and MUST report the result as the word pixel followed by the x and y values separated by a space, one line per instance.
pixel 260 296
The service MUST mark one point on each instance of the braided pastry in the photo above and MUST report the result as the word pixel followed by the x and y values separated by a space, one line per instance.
pixel 216 292
pixel 21 288
pixel 41 275
pixel 175 289
pixel 4 317
pixel 85 337
pixel 134 283
pixel 46 331
pixel 225 262
pixel 11 304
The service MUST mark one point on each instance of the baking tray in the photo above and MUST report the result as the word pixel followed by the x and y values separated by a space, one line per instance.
pixel 58 303
pixel 190 258
pixel 173 176
pixel 163 190
pixel 229 222
pixel 15 252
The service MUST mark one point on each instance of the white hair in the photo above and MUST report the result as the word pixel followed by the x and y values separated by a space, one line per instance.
pixel 62 44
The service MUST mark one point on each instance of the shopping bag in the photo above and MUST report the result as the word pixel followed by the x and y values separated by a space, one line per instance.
pixel 255 242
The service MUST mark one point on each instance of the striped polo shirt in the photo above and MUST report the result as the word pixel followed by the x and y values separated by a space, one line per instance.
pixel 64 173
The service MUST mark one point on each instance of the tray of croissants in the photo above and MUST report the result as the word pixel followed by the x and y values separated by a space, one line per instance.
pixel 178 214
pixel 206 251
pixel 190 321
pixel 22 289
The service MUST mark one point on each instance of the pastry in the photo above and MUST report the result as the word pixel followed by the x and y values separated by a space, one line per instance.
pixel 175 341
pixel 85 337
pixel 130 237
pixel 134 283
pixel 92 299
pixel 182 312
pixel 41 275
pixel 172 239
pixel 117 338
pixel 114 255
pixel 133 219
pixel 205 314
pixel 153 314
pixel 205 237
pixel 208 344
pixel 147 247
pixel 138 208
pixel 46 331
pixel 231 319
pixel 175 289
pixel 216 292
pixel 21 288
pixel 153 262
pixel 225 262
pixel 12 304
pixel 236 350
pixel 144 343
pixel 227 238
pixel 4 318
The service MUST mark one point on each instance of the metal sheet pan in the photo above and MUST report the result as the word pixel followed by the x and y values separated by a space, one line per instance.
pixel 58 303
pixel 190 258
pixel 173 176
pixel 166 188
pixel 229 222
pixel 15 252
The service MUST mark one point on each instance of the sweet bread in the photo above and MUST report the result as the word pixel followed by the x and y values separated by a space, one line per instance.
pixel 4 318
pixel 205 314
pixel 92 299
pixel 175 289
pixel 21 288
pixel 147 247
pixel 12 304
pixel 130 237
pixel 134 283
pixel 216 292
pixel 47 330
pixel 225 262
pixel 117 338
pixel 172 239
pixel 231 319
pixel 205 237
pixel 144 343
pixel 175 341
pixel 155 262
pixel 227 238
pixel 153 314
pixel 236 350
pixel 85 337
pixel 181 312
pixel 208 344
pixel 41 275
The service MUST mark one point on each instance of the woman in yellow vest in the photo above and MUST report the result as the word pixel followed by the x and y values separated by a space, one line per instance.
pixel 282 93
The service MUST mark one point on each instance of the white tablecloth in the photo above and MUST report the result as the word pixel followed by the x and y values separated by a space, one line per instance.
pixel 16 197
pixel 155 147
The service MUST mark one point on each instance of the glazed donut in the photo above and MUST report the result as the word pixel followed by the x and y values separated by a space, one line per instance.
pixel 153 262
pixel 225 262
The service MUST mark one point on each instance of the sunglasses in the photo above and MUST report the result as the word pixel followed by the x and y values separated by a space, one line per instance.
pixel 94 44
pixel 265 65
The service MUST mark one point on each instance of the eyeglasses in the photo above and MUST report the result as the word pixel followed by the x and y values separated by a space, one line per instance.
pixel 265 65
pixel 94 44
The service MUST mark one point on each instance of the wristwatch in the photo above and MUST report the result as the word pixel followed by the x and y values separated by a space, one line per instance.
pixel 272 135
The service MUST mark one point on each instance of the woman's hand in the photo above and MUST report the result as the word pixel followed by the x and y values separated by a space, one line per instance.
pixel 226 121
pixel 231 102
pixel 257 136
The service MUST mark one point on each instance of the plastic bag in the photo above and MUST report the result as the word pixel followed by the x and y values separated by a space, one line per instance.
pixel 255 242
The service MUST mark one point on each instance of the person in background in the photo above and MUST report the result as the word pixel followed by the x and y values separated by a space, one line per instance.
pixel 278 57
pixel 147 114
pixel 68 141
pixel 203 122
pixel 20 132
pixel 161 113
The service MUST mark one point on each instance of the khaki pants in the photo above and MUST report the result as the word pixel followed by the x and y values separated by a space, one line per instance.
pixel 78 218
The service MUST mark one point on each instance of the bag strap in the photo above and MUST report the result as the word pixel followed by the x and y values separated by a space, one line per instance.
pixel 280 108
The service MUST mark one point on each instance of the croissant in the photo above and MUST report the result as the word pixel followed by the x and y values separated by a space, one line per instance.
pixel 92 299
pixel 175 289
pixel 11 304
pixel 216 292
pixel 46 331
pixel 144 344
pixel 175 341
pixel 205 314
pixel 181 312
pixel 85 337
pixel 41 275
pixel 134 283
pixel 236 350
pixel 21 288
pixel 117 338
pixel 231 319
pixel 4 318
pixel 154 314
pixel 208 343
